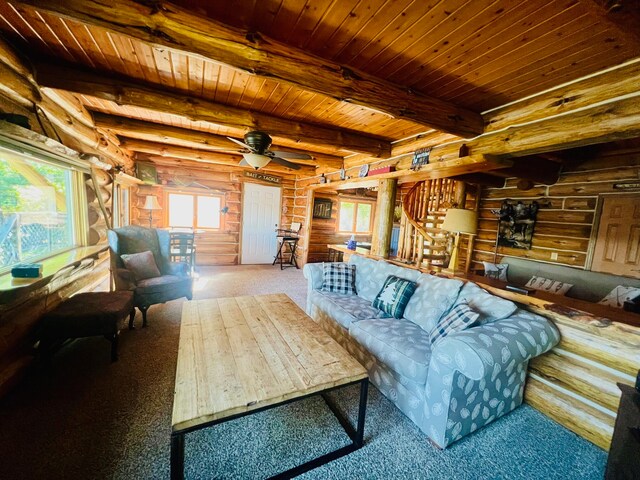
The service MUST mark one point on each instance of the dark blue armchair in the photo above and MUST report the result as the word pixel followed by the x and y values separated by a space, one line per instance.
pixel 175 280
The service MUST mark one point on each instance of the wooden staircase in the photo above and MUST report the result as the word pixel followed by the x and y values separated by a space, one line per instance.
pixel 422 241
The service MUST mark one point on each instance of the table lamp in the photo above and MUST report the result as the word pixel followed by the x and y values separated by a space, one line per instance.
pixel 458 220
pixel 151 204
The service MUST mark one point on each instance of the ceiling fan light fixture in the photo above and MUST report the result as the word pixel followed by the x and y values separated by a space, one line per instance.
pixel 255 160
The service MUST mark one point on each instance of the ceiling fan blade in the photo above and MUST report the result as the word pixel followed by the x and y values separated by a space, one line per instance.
pixel 284 163
pixel 244 145
pixel 292 155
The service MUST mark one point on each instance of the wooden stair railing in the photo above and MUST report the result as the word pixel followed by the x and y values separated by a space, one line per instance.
pixel 422 242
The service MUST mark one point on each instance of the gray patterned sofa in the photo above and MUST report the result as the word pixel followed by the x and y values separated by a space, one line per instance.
pixel 469 379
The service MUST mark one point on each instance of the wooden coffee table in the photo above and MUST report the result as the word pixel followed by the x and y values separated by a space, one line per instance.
pixel 242 355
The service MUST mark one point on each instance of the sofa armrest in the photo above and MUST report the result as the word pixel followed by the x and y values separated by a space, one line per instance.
pixel 513 340
pixel 124 279
pixel 478 375
pixel 313 273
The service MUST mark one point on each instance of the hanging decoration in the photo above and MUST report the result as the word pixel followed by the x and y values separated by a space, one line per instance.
pixel 516 222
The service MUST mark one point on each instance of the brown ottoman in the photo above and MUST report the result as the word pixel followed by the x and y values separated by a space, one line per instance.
pixel 88 315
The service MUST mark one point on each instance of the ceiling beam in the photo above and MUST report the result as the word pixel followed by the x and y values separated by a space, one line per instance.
pixel 158 132
pixel 169 26
pixel 125 91
pixel 534 168
pixel 484 179
pixel 623 15
pixel 206 156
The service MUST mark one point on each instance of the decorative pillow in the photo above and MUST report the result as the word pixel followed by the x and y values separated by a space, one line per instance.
pixel 619 295
pixel 549 285
pixel 459 318
pixel 142 265
pixel 339 278
pixel 489 306
pixel 496 270
pixel 394 296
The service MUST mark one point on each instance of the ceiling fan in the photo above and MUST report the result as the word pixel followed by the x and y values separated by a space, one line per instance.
pixel 256 152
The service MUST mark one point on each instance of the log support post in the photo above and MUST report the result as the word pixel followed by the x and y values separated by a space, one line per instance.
pixel 460 194
pixel 383 223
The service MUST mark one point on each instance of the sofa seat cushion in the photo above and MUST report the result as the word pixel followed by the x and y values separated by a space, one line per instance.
pixel 161 284
pixel 398 343
pixel 345 309
pixel 433 297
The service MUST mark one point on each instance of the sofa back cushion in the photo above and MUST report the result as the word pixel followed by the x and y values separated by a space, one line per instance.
pixel 364 272
pixel 433 297
pixel 489 306
pixel 370 277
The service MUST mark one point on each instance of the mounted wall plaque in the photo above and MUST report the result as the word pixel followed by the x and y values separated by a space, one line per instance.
pixel 322 208
pixel 263 176
pixel 147 173
pixel 420 158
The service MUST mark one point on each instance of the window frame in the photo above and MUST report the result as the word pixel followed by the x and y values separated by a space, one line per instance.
pixel 75 197
pixel 195 196
pixel 357 202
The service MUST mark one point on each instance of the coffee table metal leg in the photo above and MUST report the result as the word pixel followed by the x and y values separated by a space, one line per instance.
pixel 177 456
pixel 362 410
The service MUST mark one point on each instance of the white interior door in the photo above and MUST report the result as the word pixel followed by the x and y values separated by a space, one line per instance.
pixel 260 215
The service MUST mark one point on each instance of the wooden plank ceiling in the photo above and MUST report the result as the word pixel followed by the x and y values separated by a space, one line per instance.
pixel 477 55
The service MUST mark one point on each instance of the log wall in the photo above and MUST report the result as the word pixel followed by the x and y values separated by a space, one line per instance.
pixel 567 212
pixel 575 384
pixel 213 248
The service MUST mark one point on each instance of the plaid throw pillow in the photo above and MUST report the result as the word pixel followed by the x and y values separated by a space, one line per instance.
pixel 394 296
pixel 339 278
pixel 459 318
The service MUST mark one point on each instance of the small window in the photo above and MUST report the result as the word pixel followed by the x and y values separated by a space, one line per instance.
pixel 195 211
pixel 355 217
pixel 36 210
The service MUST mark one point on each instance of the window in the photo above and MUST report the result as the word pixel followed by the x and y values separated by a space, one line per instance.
pixel 355 216
pixel 195 211
pixel 36 209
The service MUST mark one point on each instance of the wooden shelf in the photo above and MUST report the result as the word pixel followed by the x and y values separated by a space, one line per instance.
pixel 449 168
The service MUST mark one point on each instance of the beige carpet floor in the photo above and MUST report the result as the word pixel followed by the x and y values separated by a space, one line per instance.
pixel 84 417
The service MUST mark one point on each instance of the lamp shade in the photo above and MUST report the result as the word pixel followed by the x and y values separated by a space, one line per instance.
pixel 255 160
pixel 460 221
pixel 151 203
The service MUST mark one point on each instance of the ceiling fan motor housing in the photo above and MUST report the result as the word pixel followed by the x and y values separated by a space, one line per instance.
pixel 258 141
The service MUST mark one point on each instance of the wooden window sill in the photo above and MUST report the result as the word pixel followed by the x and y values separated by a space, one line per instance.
pixel 50 267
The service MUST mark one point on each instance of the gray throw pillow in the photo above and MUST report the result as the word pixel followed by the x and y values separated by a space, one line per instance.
pixel 142 265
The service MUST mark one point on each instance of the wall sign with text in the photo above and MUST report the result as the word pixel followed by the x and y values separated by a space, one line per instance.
pixel 265 177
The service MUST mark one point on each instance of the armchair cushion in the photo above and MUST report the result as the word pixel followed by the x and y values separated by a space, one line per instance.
pixel 160 284
pixel 142 265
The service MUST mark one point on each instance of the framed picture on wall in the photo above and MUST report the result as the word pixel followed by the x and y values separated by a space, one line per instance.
pixel 147 173
pixel 322 208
